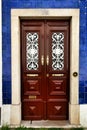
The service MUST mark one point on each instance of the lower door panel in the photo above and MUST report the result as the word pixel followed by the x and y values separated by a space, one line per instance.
pixel 57 110
pixel 33 110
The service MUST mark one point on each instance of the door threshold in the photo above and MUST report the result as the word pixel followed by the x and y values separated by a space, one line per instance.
pixel 48 124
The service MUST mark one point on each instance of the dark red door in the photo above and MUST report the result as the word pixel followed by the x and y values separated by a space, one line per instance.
pixel 45 69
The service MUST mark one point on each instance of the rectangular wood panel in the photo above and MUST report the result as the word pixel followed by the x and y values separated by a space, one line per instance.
pixel 32 110
pixel 57 110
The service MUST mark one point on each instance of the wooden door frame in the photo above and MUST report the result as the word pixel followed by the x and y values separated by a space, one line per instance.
pixel 73 15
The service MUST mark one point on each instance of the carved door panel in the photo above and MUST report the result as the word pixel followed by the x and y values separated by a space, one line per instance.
pixel 44 69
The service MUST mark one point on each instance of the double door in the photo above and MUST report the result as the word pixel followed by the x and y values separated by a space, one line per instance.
pixel 45 69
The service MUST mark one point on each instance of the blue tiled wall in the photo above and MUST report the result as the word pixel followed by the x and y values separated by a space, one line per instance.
pixel 7 5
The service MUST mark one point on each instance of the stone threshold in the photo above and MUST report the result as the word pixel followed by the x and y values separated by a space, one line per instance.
pixel 48 124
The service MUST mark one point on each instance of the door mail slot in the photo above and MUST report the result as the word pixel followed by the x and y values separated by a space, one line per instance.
pixel 32 97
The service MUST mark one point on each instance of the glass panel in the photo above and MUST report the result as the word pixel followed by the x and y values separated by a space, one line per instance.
pixel 57 51
pixel 32 51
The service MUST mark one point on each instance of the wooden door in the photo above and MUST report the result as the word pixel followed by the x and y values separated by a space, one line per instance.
pixel 45 69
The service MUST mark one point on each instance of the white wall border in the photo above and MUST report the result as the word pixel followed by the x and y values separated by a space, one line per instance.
pixel 6 114
pixel 83 115
pixel 74 117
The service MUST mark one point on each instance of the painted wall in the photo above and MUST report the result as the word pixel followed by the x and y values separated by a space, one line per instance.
pixel 7 5
pixel 0 55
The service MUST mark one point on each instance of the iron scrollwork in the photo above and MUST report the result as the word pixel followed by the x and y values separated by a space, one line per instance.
pixel 32 51
pixel 57 51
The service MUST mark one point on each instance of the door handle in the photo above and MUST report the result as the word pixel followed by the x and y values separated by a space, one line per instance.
pixel 42 59
pixel 47 60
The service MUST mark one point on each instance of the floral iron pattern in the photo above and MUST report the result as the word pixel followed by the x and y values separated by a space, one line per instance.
pixel 57 51
pixel 32 51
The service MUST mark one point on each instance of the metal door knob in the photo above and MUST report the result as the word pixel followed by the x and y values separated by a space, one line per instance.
pixel 75 74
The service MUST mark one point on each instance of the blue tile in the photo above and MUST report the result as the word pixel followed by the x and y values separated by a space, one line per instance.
pixel 86 83
pixel 81 83
pixel 85 96
pixel 81 95
pixel 6 92
pixel 81 100
pixel 85 101
pixel 86 89
pixel 81 89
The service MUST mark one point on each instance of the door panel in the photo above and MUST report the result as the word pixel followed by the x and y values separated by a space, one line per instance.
pixel 56 86
pixel 32 86
pixel 45 69
pixel 57 110
pixel 30 110
pixel 32 35
pixel 57 46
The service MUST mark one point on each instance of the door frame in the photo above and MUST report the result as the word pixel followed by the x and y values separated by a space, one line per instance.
pixel 73 15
